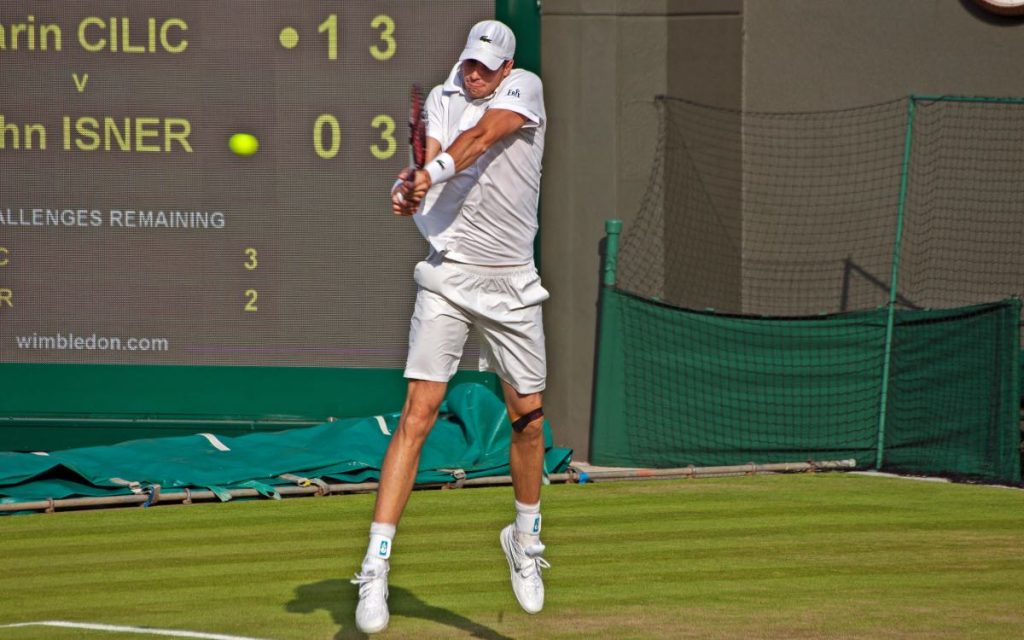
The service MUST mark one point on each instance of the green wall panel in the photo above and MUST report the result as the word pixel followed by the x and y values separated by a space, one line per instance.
pixel 60 406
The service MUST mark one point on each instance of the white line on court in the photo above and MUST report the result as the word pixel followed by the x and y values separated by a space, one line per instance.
pixel 174 633
pixel 882 474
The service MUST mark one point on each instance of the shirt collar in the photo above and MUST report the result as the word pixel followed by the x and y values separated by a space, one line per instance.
pixel 454 84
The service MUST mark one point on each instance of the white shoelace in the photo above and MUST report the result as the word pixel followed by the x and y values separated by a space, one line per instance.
pixel 534 562
pixel 366 582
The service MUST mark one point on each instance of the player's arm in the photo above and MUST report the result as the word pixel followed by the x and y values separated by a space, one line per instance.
pixel 433 148
pixel 495 125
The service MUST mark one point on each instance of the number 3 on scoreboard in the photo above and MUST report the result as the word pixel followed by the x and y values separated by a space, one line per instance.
pixel 387 135
pixel 387 31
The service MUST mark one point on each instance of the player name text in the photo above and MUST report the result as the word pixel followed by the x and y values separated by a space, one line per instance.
pixel 139 134
pixel 117 34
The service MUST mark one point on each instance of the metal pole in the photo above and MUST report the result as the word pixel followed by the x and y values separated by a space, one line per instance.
pixel 572 476
pixel 611 251
pixel 894 285
pixel 996 100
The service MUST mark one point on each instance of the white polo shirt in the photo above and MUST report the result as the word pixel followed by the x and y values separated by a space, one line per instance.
pixel 487 213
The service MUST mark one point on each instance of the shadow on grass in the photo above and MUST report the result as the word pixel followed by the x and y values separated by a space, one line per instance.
pixel 338 597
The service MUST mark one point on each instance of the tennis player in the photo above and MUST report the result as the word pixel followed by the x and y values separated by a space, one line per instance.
pixel 476 204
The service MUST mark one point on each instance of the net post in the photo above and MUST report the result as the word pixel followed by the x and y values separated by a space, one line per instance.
pixel 890 319
pixel 611 251
pixel 608 433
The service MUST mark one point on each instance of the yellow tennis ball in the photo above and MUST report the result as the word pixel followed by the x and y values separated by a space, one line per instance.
pixel 244 144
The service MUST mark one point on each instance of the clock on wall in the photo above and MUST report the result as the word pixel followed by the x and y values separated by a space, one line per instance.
pixel 1003 7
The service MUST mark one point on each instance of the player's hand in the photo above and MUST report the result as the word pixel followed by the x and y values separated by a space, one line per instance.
pixel 401 203
pixel 418 185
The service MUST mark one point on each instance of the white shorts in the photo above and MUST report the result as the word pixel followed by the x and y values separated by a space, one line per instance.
pixel 503 303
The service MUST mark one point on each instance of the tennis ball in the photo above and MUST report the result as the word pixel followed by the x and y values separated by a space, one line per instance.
pixel 244 144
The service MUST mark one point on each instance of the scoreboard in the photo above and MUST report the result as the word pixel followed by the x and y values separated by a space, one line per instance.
pixel 130 233
pixel 152 282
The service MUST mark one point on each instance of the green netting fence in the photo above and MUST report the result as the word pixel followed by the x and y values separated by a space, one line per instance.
pixel 821 285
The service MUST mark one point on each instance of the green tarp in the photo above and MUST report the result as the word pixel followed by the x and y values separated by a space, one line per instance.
pixel 471 436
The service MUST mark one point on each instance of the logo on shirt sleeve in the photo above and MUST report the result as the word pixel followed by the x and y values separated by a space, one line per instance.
pixel 513 92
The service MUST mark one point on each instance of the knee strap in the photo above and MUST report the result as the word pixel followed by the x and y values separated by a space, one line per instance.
pixel 524 420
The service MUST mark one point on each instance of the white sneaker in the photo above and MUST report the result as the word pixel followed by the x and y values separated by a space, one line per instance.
pixel 525 564
pixel 372 612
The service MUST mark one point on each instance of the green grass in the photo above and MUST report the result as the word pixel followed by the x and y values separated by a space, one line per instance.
pixel 807 556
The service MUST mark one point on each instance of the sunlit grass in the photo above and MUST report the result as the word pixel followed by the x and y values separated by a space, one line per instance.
pixel 798 556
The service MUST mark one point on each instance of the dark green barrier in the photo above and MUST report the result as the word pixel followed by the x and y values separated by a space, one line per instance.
pixel 47 407
pixel 677 387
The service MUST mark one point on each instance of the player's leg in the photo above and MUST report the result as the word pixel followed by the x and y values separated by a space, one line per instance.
pixel 436 338
pixel 398 474
pixel 513 337
pixel 437 335
pixel 521 539
pixel 521 386
pixel 526 454
pixel 397 477
pixel 505 304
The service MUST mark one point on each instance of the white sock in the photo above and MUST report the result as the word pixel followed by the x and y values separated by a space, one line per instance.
pixel 528 522
pixel 382 537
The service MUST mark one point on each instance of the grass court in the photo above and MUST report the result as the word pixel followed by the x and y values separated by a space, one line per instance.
pixel 825 555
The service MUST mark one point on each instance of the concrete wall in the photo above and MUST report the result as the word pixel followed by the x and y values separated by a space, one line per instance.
pixel 603 62
pixel 830 54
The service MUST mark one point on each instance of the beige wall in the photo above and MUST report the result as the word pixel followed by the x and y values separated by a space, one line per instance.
pixel 603 62
pixel 831 54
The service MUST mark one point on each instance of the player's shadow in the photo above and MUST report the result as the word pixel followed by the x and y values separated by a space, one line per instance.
pixel 338 597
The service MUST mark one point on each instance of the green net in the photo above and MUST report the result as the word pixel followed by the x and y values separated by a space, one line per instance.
pixel 775 292
pixel 954 394
pixel 783 214
pixel 963 238
pixel 679 388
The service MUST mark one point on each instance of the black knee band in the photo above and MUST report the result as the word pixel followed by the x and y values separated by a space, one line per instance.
pixel 521 423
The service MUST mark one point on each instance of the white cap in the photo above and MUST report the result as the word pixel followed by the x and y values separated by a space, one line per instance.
pixel 490 42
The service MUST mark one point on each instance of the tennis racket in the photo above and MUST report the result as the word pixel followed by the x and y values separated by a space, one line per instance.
pixel 417 128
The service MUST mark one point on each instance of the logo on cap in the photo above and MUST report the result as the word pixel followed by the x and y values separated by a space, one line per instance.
pixel 485 38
